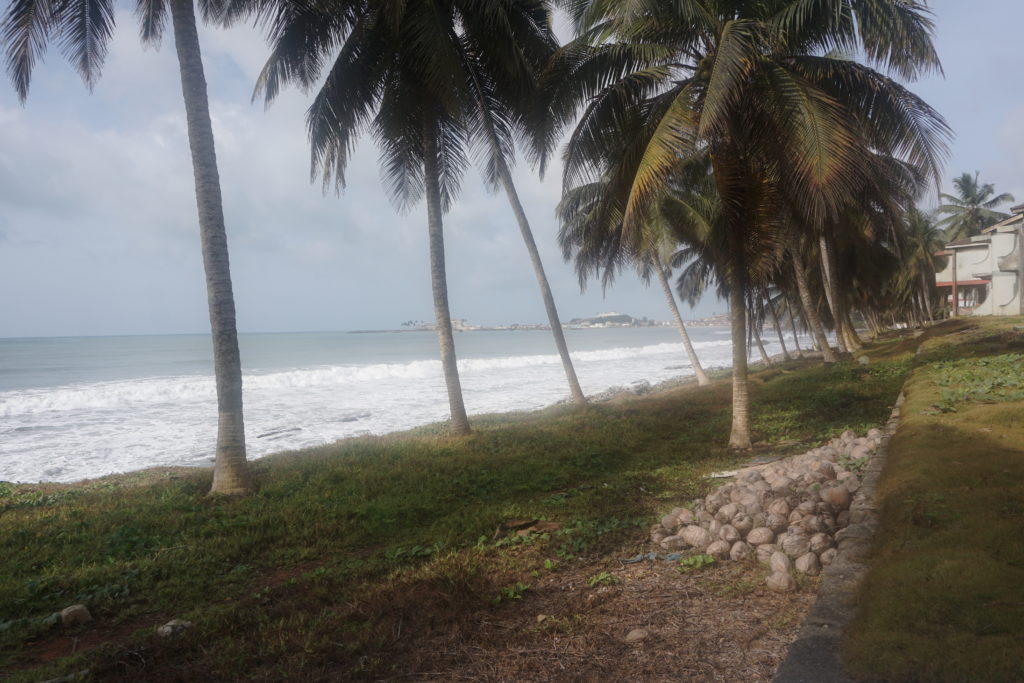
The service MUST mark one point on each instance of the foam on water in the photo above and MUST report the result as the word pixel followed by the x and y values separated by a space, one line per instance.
pixel 76 431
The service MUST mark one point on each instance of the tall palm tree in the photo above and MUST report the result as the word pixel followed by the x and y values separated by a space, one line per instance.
pixel 485 54
pixel 972 209
pixel 754 86
pixel 83 29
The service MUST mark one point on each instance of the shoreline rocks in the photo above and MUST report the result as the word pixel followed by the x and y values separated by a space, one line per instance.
pixel 785 513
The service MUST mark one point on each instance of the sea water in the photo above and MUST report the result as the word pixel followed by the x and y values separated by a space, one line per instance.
pixel 81 407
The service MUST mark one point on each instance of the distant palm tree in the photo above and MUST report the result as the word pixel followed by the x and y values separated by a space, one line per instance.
pixel 972 209
pixel 788 126
pixel 83 29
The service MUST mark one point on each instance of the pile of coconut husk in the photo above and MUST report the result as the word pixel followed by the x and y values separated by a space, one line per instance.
pixel 786 513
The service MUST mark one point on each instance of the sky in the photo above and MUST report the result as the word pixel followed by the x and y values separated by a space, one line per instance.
pixel 98 226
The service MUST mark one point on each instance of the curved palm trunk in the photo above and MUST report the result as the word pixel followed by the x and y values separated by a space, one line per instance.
pixel 832 292
pixel 438 280
pixel 542 282
pixel 231 473
pixel 778 329
pixel 739 435
pixel 755 329
pixel 792 325
pixel 698 371
pixel 807 302
pixel 926 295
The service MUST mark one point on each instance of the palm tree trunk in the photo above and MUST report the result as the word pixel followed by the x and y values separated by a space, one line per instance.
pixel 817 331
pixel 832 292
pixel 778 329
pixel 854 340
pixel 542 282
pixel 438 279
pixel 231 475
pixel 926 295
pixel 755 329
pixel 739 435
pixel 792 325
pixel 698 371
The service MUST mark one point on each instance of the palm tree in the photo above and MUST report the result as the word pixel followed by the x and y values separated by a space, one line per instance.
pixel 789 127
pixel 924 240
pixel 591 236
pixel 83 29
pixel 487 57
pixel 972 209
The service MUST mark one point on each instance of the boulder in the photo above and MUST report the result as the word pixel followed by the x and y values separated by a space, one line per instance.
pixel 75 615
pixel 173 628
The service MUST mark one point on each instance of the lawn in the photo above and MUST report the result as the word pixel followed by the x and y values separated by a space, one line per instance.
pixel 346 543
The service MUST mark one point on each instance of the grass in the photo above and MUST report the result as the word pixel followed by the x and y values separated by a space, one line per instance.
pixel 944 599
pixel 349 546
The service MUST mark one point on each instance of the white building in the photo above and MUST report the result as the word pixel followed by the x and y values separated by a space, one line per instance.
pixel 983 273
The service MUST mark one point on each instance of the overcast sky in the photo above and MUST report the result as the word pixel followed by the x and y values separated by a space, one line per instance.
pixel 98 228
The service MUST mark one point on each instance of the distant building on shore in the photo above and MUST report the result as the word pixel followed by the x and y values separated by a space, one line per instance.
pixel 984 273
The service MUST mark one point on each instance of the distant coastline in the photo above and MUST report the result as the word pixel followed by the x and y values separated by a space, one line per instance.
pixel 600 321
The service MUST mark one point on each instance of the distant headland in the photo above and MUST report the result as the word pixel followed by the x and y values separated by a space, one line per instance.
pixel 601 320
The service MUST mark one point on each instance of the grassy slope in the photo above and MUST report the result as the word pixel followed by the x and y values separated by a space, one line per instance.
pixel 343 542
pixel 944 600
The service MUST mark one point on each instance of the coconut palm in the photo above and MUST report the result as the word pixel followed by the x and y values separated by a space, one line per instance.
pixel 485 54
pixel 972 209
pixel 83 29
pixel 789 127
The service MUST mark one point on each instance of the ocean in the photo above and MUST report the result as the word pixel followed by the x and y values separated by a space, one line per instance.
pixel 73 408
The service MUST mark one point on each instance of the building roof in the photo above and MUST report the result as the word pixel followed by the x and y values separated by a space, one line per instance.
pixel 969 242
pixel 1005 223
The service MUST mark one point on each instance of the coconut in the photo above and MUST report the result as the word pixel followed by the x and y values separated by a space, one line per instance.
pixel 726 513
pixel 808 564
pixel 729 533
pixel 760 536
pixel 860 452
pixel 820 543
pixel 781 583
pixel 777 523
pixel 780 562
pixel 684 516
pixel 740 551
pixel 675 542
pixel 779 506
pixel 827 557
pixel 697 537
pixel 764 552
pixel 795 544
pixel 838 497
pixel 659 534
pixel 743 524
pixel 670 522
pixel 719 550
pixel 843 519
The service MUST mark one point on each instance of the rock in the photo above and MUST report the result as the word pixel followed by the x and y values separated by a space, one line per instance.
pixel 863 360
pixel 743 524
pixel 826 558
pixel 676 542
pixel 541 618
pixel 781 582
pixel 779 562
pixel 719 550
pixel 636 635
pixel 808 564
pixel 852 485
pixel 874 433
pixel 848 435
pixel 777 523
pixel 697 537
pixel 820 543
pixel 764 552
pixel 176 626
pixel 796 545
pixel 75 615
pixel 740 551
pixel 729 533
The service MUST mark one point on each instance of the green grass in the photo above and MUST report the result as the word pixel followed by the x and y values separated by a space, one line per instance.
pixel 309 577
pixel 944 599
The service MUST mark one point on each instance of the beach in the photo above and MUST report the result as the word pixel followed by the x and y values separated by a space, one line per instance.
pixel 76 408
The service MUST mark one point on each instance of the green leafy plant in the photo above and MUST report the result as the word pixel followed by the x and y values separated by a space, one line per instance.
pixel 695 563
pixel 602 579
pixel 514 592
